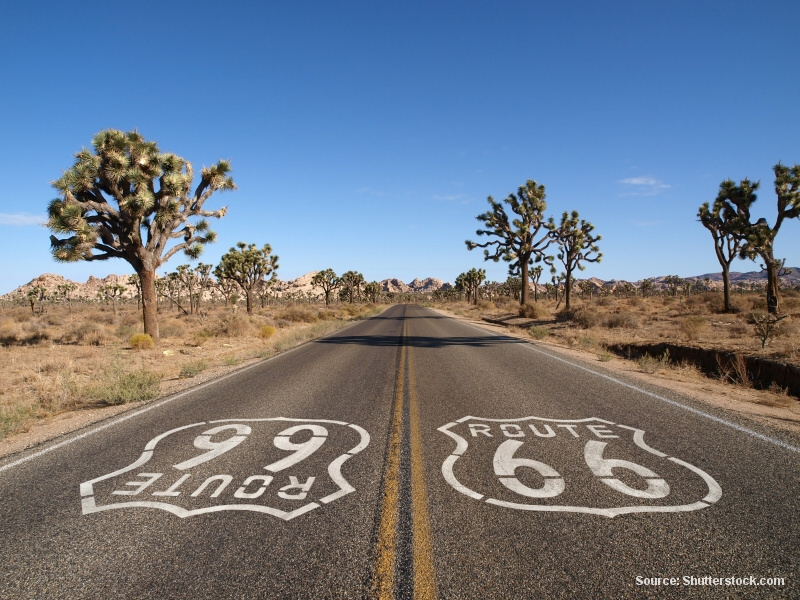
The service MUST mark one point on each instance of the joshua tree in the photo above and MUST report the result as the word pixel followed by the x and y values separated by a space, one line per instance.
pixel 536 273
pixel 760 237
pixel 517 241
pixel 576 246
pixel 328 282
pixel 248 266
pixel 373 291
pixel 469 282
pixel 727 220
pixel 646 287
pixel 64 290
pixel 126 199
pixel 203 274
pixel 673 282
pixel 34 294
pixel 351 285
pixel 112 291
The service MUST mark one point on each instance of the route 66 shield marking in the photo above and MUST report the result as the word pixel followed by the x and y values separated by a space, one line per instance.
pixel 277 466
pixel 589 466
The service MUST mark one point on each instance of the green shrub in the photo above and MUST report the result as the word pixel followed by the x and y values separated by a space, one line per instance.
pixel 122 388
pixel 193 368
pixel 266 332
pixel 142 341
pixel 538 333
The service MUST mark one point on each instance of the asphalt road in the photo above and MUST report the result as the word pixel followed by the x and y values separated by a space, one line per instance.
pixel 408 455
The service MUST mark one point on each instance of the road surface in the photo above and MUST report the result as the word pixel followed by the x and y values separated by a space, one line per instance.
pixel 409 455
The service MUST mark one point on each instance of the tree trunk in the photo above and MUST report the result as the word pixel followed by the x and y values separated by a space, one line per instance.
pixel 149 303
pixel 726 287
pixel 772 285
pixel 523 295
pixel 567 286
pixel 249 295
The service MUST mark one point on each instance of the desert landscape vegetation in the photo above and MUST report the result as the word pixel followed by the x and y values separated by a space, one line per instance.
pixel 69 346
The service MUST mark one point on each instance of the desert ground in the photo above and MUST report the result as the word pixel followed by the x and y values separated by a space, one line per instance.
pixel 64 367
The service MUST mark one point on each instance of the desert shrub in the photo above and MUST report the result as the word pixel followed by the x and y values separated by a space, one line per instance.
pixel 605 301
pixel 326 315
pixel 53 320
pixel 86 333
pixel 10 332
pixel 301 314
pixel 692 325
pixel 233 325
pixel 141 341
pixel 131 318
pixel 266 332
pixel 759 303
pixel 125 332
pixel 121 388
pixel 648 364
pixel 621 320
pixel 533 310
pixel 486 305
pixel 199 338
pixel 347 310
pixel 172 329
pixel 193 368
pixel 105 316
pixel 634 301
pixel 13 416
pixel 739 328
pixel 582 316
pixel 282 323
pixel 604 356
pixel 538 333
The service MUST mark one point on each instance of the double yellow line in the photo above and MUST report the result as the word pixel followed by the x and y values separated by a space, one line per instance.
pixel 424 575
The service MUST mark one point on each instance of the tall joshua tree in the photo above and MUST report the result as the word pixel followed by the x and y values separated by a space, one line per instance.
pixel 248 266
pixel 517 242
pixel 577 246
pixel 351 284
pixel 760 237
pixel 126 199
pixel 327 281
pixel 469 282
pixel 727 220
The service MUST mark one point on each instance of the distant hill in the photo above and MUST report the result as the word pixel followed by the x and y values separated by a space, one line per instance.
pixel 302 284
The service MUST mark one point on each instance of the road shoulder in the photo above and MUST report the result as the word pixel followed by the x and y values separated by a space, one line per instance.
pixel 779 412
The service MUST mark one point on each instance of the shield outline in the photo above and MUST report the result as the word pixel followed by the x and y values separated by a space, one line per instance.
pixel 334 471
pixel 714 489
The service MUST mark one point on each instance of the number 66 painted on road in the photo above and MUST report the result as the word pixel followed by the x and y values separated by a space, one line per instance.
pixel 505 466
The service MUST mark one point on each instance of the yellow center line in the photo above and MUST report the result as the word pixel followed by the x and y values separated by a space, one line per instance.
pixel 424 573
pixel 387 532
pixel 386 551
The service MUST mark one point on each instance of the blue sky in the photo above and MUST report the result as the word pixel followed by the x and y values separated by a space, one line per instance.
pixel 367 135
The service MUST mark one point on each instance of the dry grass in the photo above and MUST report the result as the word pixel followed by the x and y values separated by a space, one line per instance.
pixel 62 361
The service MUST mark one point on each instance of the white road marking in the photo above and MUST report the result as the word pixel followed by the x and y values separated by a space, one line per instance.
pixel 506 464
pixel 253 487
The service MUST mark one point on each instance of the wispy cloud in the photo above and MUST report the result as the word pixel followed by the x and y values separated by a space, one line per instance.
pixel 370 191
pixel 643 186
pixel 22 219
